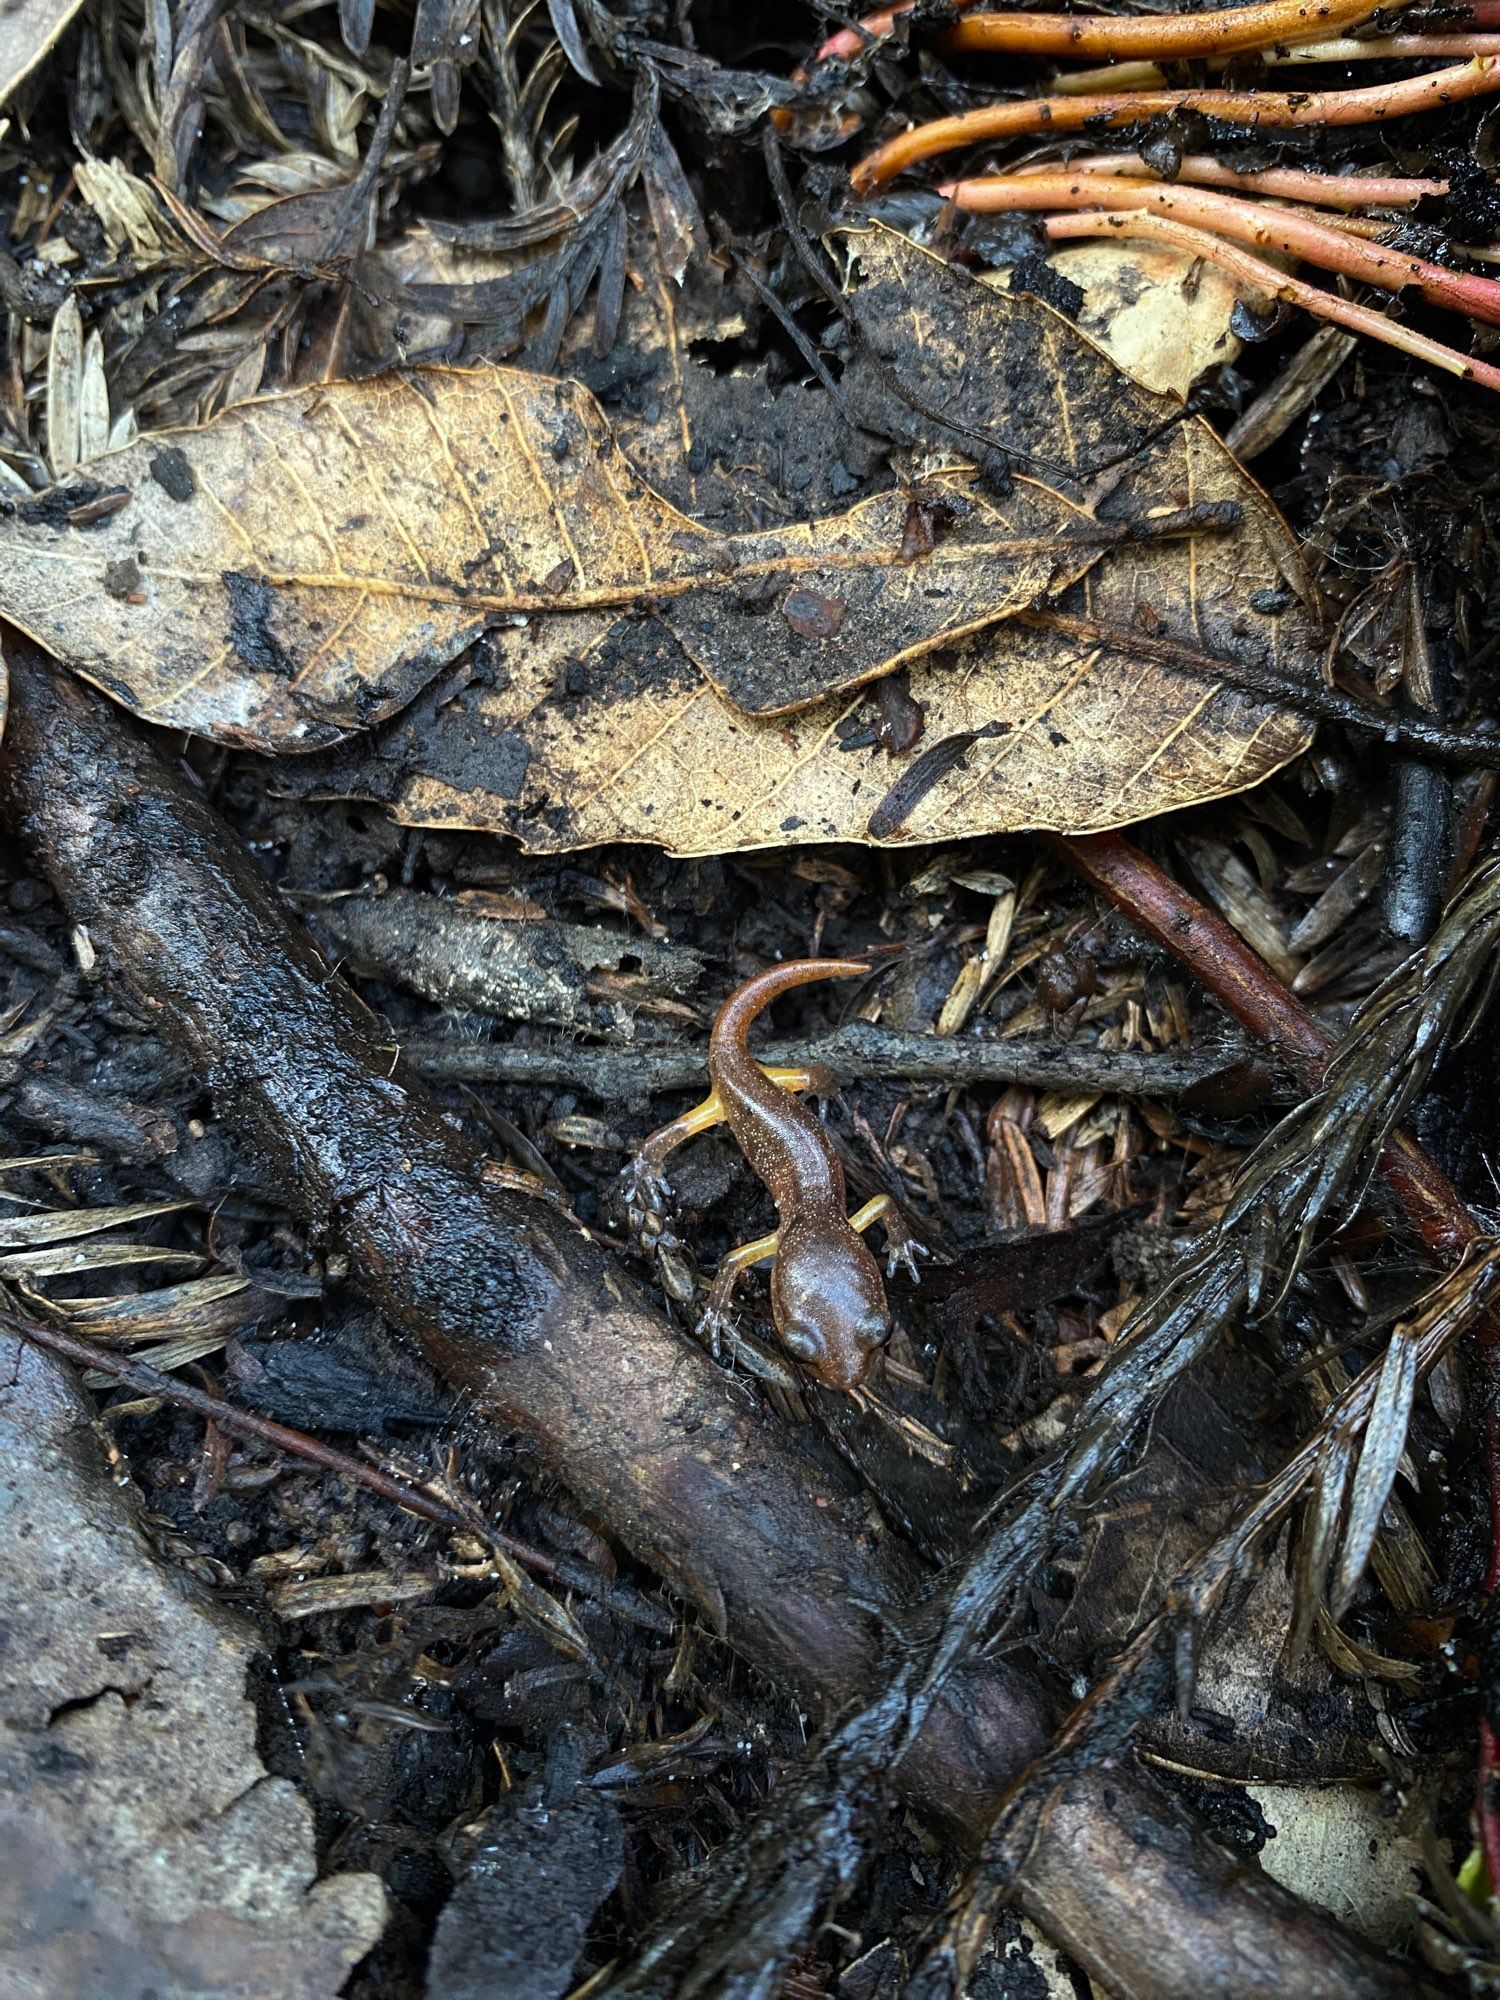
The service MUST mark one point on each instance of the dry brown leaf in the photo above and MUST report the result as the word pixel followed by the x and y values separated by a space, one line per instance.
pixel 28 30
pixel 303 565
pixel 1159 313
pixel 307 564
pixel 1075 717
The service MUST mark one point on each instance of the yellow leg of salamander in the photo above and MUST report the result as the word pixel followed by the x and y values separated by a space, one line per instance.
pixel 901 1247
pixel 646 1186
pixel 720 1292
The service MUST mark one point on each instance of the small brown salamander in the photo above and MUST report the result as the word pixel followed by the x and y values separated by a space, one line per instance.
pixel 827 1295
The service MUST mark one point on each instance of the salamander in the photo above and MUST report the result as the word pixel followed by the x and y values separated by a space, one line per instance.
pixel 827 1294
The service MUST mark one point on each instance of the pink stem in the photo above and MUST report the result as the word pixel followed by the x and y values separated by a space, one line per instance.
pixel 1278 229
pixel 1259 276
pixel 1289 183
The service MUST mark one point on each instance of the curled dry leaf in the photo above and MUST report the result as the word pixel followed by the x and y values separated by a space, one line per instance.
pixel 305 566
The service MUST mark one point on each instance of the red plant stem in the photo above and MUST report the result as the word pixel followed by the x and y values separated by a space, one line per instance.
pixel 1242 981
pixel 1255 110
pixel 1345 191
pixel 1256 275
pixel 1094 35
pixel 1284 231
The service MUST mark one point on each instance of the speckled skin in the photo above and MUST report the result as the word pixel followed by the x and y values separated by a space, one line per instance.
pixel 827 1294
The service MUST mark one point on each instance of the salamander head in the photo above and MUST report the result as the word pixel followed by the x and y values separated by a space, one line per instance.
pixel 828 1300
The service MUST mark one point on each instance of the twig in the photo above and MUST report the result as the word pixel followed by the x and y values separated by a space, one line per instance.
pixel 1268 280
pixel 148 1381
pixel 859 1049
pixel 1255 110
pixel 1238 977
pixel 354 208
pixel 1288 232
pixel 1108 35
pixel 1160 37
pixel 1329 704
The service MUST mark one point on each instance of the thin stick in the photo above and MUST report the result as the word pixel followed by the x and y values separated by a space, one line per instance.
pixel 1433 740
pixel 1162 37
pixel 1265 278
pixel 149 1381
pixel 859 1049
pixel 1344 191
pixel 1238 977
pixel 1288 232
pixel 1255 110
pixel 1343 49
pixel 1106 35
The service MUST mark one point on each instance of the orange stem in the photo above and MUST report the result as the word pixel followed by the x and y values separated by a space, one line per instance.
pixel 1286 183
pixel 1255 110
pixel 1107 35
pixel 1259 276
pixel 1159 37
pixel 1285 231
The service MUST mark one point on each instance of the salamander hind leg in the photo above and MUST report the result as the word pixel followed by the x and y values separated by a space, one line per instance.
pixel 644 1182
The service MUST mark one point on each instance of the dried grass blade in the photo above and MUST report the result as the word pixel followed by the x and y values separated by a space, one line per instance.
pixel 64 388
pixel 62 1259
pixel 200 1306
pixel 1318 1541
pixel 169 1355
pixel 61 1225
pixel 93 403
pixel 1385 1441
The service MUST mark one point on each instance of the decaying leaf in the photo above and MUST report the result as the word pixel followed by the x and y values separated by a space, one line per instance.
pixel 1073 718
pixel 149 1848
pixel 306 565
pixel 1161 314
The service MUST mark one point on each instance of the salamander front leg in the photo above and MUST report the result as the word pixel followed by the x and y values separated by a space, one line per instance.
pixel 901 1247
pixel 721 1291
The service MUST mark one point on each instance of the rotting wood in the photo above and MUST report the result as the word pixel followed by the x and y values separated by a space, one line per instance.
pixel 529 1318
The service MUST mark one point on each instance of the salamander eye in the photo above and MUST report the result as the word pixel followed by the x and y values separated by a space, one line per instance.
pixel 801 1344
pixel 872 1331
